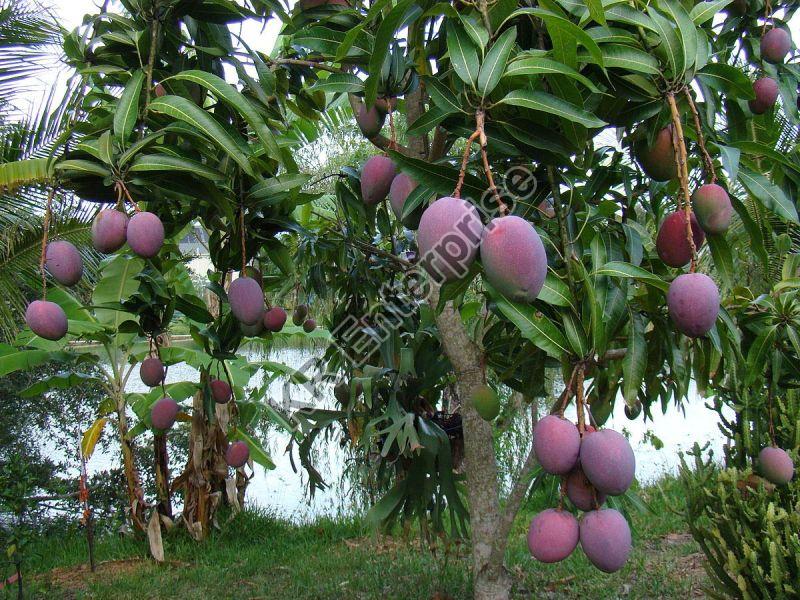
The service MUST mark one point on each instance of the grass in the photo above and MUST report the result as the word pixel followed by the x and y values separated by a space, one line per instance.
pixel 257 556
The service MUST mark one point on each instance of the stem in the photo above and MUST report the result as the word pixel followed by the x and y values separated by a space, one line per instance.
pixel 464 160
pixel 45 231
pixel 128 196
pixel 480 117
pixel 244 249
pixel 580 399
pixel 567 250
pixel 679 144
pixel 151 59
pixel 701 141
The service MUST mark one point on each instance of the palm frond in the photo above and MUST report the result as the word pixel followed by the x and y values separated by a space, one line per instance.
pixel 28 37
pixel 20 251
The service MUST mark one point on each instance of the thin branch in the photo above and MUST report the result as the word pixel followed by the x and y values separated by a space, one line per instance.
pixel 701 140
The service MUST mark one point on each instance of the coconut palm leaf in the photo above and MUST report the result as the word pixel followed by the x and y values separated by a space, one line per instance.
pixel 28 36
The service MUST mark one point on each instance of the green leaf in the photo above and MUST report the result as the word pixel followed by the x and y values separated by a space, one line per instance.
pixel 118 280
pixel 476 31
pixel 383 38
pixel 236 100
pixel 339 83
pixel 634 363
pixel 495 62
pixel 463 54
pixel 727 79
pixel 163 162
pixel 770 195
pixel 576 335
pixel 128 107
pixel 553 20
pixel 686 30
pixel 427 121
pixel 22 360
pixel 533 325
pixel 442 96
pixel 540 65
pixel 627 270
pixel 555 292
pixel 82 168
pixel 439 178
pixel 723 260
pixel 596 11
pixel 632 59
pixel 544 102
pixel 188 112
pixel 705 11
pixel 106 148
pixel 673 48
pixel 275 185
pixel 622 13
pixel 257 453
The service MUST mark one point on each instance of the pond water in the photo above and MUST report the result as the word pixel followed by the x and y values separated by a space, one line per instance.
pixel 284 492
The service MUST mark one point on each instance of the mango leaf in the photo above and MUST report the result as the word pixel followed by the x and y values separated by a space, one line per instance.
pixel 544 102
pixel 629 58
pixel 276 185
pixel 427 121
pixel 475 30
pixel 705 11
pixel 552 19
pixel 236 100
pixel 390 23
pixel 257 453
pixel 634 363
pixel 437 177
pixel 686 30
pixel 673 48
pixel 727 79
pixel 463 54
pixel 128 108
pixel 627 270
pixel 339 83
pixel 188 112
pixel 81 168
pixel 770 195
pixel 541 65
pixel 596 11
pixel 532 324
pixel 555 292
pixel 91 436
pixel 442 96
pixel 495 62
pixel 163 162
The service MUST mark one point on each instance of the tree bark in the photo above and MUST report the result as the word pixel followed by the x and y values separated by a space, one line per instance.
pixel 491 581
pixel 162 475
pixel 135 495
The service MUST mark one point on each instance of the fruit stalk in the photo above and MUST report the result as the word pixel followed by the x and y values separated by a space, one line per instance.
pixel 464 160
pixel 45 231
pixel 683 173
pixel 480 117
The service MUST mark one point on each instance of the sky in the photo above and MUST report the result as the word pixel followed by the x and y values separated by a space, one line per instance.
pixel 71 13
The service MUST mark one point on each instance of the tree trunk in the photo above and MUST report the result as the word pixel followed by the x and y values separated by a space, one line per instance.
pixel 135 495
pixel 490 579
pixel 162 474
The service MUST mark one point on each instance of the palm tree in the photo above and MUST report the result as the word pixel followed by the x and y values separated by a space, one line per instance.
pixel 30 39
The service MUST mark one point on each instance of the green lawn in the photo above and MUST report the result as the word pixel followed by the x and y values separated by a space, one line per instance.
pixel 256 556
